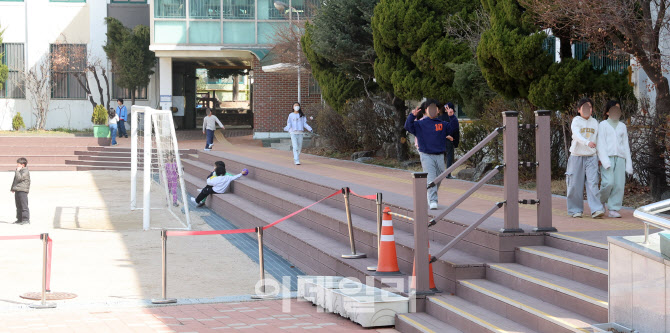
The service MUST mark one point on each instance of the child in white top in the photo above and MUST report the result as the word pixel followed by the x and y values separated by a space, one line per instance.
pixel 217 184
pixel 209 126
pixel 614 155
pixel 296 124
pixel 113 125
pixel 583 163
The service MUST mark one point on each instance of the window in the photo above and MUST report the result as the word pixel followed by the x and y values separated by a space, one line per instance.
pixel 238 9
pixel 118 92
pixel 67 0
pixel 314 88
pixel 170 8
pixel 129 1
pixel 205 9
pixel 68 71
pixel 11 0
pixel 13 57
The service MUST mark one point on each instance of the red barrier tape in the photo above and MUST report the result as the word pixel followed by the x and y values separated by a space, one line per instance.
pixel 370 197
pixel 19 237
pixel 294 213
pixel 209 232
pixel 49 252
pixel 244 231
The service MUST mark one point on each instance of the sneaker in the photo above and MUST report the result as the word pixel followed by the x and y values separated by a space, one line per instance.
pixel 297 163
pixel 201 204
pixel 207 149
pixel 614 213
pixel 433 205
pixel 598 214
pixel 211 145
pixel 176 204
pixel 450 177
pixel 125 136
pixel 24 222
pixel 577 215
pixel 193 201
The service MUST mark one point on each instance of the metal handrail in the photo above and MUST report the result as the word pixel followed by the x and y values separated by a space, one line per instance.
pixel 648 215
pixel 467 155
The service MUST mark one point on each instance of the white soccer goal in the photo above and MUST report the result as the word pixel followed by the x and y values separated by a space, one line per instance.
pixel 154 144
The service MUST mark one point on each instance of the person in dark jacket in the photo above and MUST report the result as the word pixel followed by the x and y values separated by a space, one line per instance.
pixel 431 134
pixel 453 136
pixel 20 188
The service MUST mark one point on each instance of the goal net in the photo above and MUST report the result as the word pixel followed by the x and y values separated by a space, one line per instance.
pixel 154 151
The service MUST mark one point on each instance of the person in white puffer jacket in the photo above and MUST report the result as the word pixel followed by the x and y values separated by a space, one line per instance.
pixel 614 155
pixel 583 163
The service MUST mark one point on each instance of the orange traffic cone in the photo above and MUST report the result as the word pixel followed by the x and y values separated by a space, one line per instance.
pixel 432 286
pixel 387 263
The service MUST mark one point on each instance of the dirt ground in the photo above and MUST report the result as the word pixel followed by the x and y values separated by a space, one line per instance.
pixel 101 253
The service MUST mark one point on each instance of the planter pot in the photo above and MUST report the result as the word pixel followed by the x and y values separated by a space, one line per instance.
pixel 101 131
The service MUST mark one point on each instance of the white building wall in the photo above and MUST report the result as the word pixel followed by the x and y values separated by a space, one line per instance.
pixel 644 88
pixel 39 23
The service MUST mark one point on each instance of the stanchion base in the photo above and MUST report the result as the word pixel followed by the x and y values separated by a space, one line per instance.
pixel 264 296
pixel 163 300
pixel 354 256
pixel 372 268
pixel 42 306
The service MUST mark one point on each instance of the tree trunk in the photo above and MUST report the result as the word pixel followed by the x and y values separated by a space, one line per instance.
pixel 658 182
pixel 400 133
pixel 132 96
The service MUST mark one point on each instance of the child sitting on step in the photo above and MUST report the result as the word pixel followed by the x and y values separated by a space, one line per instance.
pixel 216 185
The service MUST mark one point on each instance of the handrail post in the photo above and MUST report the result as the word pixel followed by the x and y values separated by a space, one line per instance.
pixel 164 299
pixel 45 255
pixel 350 225
pixel 421 255
pixel 511 179
pixel 379 203
pixel 543 171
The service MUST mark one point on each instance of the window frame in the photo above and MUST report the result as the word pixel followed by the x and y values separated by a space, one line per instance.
pixel 68 76
pixel 18 71
pixel 69 1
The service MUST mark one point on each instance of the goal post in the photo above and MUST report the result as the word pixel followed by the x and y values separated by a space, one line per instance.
pixel 154 142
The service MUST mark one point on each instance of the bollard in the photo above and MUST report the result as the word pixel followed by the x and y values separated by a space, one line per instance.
pixel 261 264
pixel 164 299
pixel 379 227
pixel 352 243
pixel 45 253
pixel 511 176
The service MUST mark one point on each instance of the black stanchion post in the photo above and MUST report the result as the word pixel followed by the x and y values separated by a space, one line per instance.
pixel 164 299
pixel 379 227
pixel 45 253
pixel 352 242
pixel 261 264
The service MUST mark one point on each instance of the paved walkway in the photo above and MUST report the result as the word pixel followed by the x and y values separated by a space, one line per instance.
pixel 259 316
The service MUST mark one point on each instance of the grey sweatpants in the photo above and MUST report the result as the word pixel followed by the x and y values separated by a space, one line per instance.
pixel 581 168
pixel 613 182
pixel 434 166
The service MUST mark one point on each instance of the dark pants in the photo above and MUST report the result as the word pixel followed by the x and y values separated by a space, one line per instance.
pixel 449 155
pixel 21 200
pixel 210 138
pixel 122 129
pixel 204 193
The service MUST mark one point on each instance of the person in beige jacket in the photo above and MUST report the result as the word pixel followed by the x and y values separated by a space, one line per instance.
pixel 20 188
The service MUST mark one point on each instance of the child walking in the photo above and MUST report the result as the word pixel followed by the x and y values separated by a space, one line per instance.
pixel 431 134
pixel 615 160
pixel 113 125
pixel 219 184
pixel 20 188
pixel 583 163
pixel 296 124
pixel 208 127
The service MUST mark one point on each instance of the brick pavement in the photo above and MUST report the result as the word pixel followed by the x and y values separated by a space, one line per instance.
pixel 257 316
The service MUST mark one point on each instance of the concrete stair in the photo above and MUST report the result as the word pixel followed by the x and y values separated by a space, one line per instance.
pixel 67 153
pixel 491 282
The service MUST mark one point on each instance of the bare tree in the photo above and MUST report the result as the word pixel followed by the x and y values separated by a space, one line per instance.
pixel 37 88
pixel 637 27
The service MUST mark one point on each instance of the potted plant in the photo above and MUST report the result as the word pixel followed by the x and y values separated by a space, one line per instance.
pixel 99 119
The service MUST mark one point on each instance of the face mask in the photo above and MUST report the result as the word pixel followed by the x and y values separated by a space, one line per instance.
pixel 585 111
pixel 296 108
pixel 615 113
pixel 432 111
